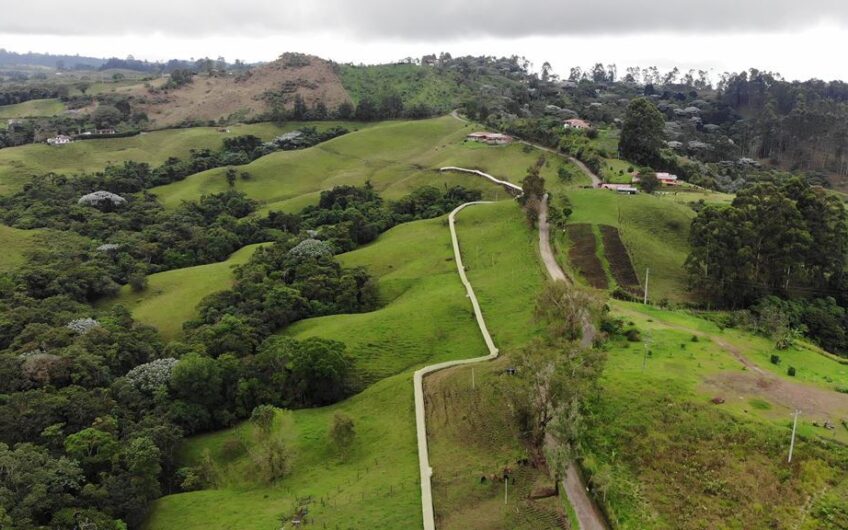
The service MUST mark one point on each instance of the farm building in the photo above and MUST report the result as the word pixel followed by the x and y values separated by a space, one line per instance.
pixel 59 139
pixel 490 138
pixel 625 189
pixel 666 179
pixel 576 123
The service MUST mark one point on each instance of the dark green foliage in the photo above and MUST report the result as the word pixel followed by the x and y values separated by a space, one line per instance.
pixel 648 181
pixel 791 371
pixel 775 359
pixel 642 133
pixel 784 239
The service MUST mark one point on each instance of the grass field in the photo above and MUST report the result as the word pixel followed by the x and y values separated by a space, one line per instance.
pixel 397 157
pixel 171 297
pixel 18 163
pixel 34 108
pixel 15 244
pixel 415 269
pixel 470 434
pixel 653 433
pixel 655 232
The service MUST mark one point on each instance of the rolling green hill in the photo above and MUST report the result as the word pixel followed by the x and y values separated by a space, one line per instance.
pixel 171 297
pixel 18 163
pixel 415 270
pixel 34 108
pixel 397 157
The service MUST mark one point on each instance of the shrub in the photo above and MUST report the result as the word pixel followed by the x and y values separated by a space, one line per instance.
pixel 633 335
pixel 775 359
pixel 342 433
pixel 791 371
pixel 695 338
pixel 137 281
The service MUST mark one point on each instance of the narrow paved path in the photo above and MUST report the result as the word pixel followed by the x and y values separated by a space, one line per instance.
pixel 587 514
pixel 418 379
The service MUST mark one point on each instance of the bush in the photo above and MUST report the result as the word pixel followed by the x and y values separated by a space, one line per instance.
pixel 791 371
pixel 633 335
pixel 695 338
pixel 775 359
pixel 137 281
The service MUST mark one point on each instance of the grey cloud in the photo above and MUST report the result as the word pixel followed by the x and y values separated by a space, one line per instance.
pixel 421 20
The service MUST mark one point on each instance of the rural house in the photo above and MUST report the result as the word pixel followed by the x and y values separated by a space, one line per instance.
pixel 59 139
pixel 576 123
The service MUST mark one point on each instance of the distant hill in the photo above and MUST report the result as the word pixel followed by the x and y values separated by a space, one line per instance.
pixel 8 58
pixel 255 92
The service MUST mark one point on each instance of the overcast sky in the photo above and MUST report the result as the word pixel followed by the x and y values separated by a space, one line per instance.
pixel 800 39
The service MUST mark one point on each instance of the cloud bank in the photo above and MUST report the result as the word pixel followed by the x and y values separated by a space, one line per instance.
pixel 416 21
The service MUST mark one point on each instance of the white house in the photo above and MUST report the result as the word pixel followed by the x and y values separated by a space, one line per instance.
pixel 59 139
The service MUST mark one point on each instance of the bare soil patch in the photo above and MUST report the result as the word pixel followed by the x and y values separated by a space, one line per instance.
pixel 619 260
pixel 817 404
pixel 583 254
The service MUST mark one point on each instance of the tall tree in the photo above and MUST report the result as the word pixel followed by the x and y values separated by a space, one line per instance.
pixel 642 133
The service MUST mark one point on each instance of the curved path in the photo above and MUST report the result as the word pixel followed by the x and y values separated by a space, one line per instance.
pixel 587 514
pixel 418 379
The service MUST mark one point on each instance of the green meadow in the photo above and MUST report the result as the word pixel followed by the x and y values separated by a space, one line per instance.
pixel 415 269
pixel 652 431
pixel 396 157
pixel 18 163
pixel 655 232
pixel 34 108
pixel 171 297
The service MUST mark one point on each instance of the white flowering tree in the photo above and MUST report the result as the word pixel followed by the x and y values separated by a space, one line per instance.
pixel 311 248
pixel 82 326
pixel 150 376
pixel 100 199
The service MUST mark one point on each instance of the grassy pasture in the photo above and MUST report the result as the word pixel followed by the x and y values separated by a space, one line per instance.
pixel 382 467
pixel 34 108
pixel 654 231
pixel 18 163
pixel 653 419
pixel 396 157
pixel 171 297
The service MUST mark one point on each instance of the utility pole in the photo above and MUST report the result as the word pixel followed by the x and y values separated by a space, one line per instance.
pixel 473 385
pixel 506 488
pixel 647 272
pixel 792 443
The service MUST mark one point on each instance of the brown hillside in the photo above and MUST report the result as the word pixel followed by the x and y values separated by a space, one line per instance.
pixel 243 96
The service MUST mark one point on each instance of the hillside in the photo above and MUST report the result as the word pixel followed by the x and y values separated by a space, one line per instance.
pixel 239 97
pixel 171 297
pixel 18 163
pixel 396 157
